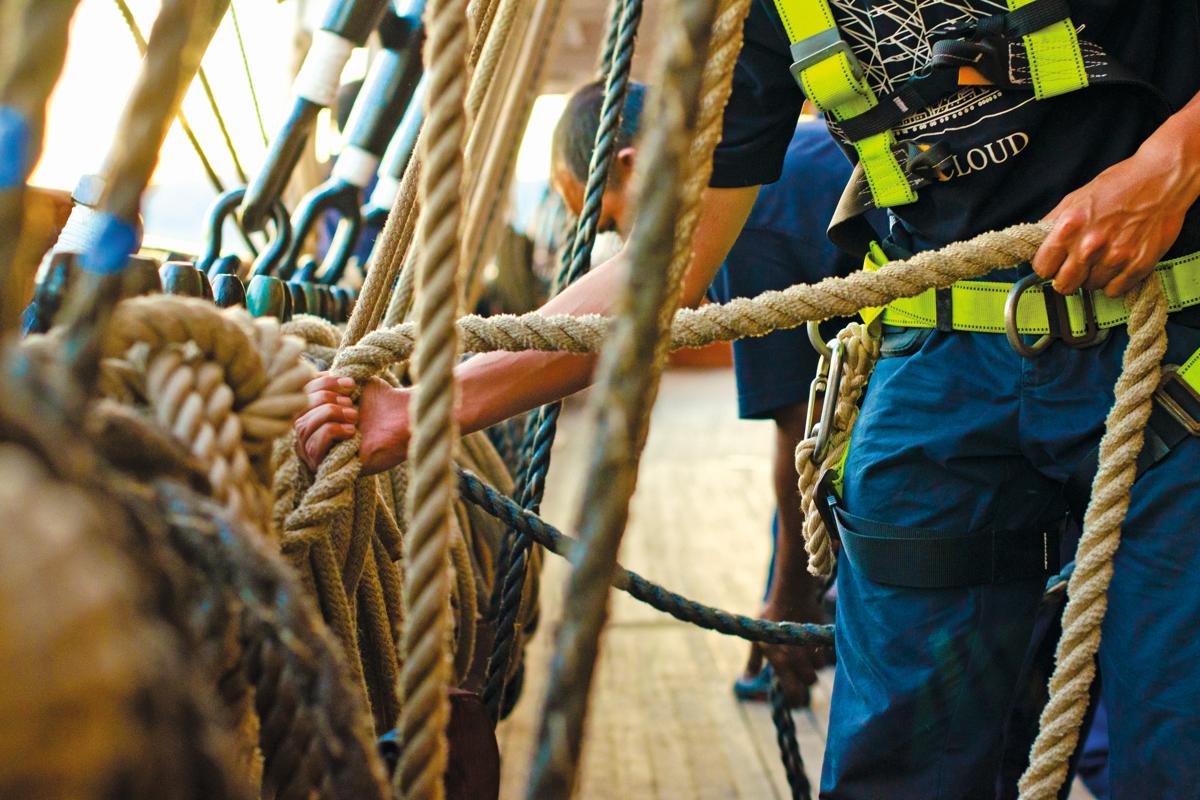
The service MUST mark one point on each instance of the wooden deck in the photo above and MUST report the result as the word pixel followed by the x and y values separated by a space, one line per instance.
pixel 663 721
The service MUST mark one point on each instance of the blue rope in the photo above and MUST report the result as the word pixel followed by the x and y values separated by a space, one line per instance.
pixel 526 522
pixel 785 735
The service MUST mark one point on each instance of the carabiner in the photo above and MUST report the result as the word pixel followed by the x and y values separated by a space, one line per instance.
pixel 829 405
pixel 819 344
pixel 818 387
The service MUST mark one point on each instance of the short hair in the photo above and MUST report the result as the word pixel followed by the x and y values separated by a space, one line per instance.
pixel 575 134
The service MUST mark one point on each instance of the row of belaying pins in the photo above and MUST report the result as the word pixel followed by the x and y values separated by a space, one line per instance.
pixel 281 281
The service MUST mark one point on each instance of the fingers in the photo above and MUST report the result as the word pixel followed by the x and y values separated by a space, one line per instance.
pixel 325 423
pixel 330 383
pixel 1086 253
pixel 1057 246
pixel 308 422
pixel 325 437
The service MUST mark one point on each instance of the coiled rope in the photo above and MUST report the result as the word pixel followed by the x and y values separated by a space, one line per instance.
pixel 861 349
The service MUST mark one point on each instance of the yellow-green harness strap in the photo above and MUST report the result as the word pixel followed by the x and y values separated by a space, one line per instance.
pixel 832 79
pixel 979 305
pixel 1055 60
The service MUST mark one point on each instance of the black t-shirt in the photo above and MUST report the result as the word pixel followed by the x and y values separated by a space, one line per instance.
pixel 1014 157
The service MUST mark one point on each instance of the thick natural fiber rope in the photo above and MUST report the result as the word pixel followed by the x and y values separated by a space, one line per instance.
pixel 684 127
pixel 737 319
pixel 426 671
pixel 77 660
pixel 394 246
pixel 225 384
pixel 181 33
pixel 492 149
pixel 1075 659
pixel 860 349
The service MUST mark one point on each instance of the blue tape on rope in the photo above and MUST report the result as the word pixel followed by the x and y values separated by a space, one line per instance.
pixel 14 147
pixel 115 242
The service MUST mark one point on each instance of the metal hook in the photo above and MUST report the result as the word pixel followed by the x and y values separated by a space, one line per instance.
pixel 224 206
pixel 339 196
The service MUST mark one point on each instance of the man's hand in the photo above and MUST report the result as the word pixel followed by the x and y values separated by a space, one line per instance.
pixel 796 666
pixel 330 418
pixel 381 416
pixel 1110 234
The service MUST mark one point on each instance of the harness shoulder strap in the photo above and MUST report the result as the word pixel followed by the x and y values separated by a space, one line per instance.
pixel 1055 60
pixel 833 80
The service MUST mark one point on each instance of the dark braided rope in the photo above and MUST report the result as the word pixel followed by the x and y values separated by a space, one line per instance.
pixel 514 562
pixel 785 736
pixel 488 498
pixel 315 732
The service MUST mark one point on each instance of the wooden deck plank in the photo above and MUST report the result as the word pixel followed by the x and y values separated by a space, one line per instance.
pixel 663 720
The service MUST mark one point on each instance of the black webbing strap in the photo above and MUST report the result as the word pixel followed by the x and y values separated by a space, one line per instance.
pixel 922 91
pixel 920 558
pixel 1027 19
pixel 1164 432
pixel 916 94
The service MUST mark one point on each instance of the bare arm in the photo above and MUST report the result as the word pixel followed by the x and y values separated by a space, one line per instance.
pixel 496 386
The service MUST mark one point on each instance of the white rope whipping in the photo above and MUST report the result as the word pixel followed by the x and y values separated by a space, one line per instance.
pixel 319 76
pixel 355 166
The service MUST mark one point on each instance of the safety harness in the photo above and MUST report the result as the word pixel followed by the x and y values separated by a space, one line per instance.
pixel 1033 47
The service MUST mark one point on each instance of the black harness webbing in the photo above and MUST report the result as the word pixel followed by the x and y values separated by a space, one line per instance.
pixel 920 558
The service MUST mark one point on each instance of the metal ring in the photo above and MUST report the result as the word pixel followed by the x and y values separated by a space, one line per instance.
pixel 1011 331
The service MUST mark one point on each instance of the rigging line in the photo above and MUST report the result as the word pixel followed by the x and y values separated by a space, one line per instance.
pixel 237 30
pixel 140 40
pixel 216 110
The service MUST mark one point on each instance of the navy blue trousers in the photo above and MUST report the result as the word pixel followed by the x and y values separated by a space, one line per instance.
pixel 957 433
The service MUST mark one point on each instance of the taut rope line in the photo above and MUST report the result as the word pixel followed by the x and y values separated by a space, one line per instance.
pixel 425 674
pixel 739 318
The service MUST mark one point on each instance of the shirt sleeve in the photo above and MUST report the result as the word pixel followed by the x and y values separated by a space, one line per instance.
pixel 763 107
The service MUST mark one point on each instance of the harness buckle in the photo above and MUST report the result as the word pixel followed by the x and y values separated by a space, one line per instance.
pixel 1092 334
pixel 1176 395
pixel 1058 319
pixel 821 47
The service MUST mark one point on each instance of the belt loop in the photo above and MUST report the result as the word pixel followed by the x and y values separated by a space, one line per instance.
pixel 943 306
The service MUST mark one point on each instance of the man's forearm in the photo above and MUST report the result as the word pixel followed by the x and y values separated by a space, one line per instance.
pixel 496 386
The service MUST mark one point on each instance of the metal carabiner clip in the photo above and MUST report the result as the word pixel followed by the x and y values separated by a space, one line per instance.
pixel 824 426
pixel 817 388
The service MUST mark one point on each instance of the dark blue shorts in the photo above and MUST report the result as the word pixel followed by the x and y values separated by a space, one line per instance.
pixel 772 371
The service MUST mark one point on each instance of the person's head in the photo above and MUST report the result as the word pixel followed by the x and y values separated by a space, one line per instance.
pixel 574 140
